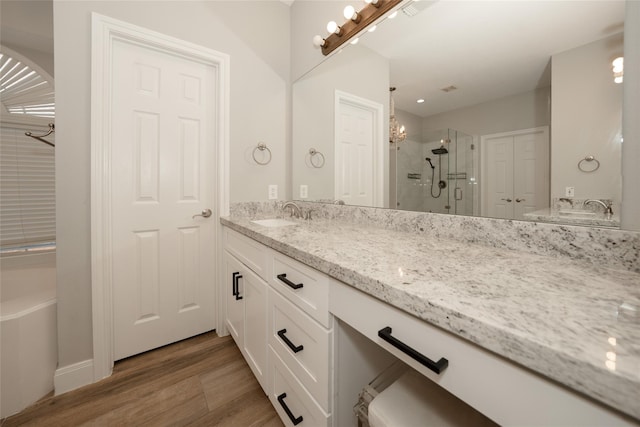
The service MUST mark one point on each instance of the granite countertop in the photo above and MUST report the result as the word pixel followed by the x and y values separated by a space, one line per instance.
pixel 574 321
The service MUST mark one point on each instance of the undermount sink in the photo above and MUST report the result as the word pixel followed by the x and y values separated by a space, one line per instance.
pixel 274 222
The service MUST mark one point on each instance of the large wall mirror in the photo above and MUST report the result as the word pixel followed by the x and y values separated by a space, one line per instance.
pixel 510 110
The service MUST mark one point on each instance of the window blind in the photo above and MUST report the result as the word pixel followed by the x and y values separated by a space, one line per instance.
pixel 27 189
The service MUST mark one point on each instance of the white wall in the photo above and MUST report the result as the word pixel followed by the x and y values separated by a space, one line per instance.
pixel 256 36
pixel 521 111
pixel 308 18
pixel 358 71
pixel 586 120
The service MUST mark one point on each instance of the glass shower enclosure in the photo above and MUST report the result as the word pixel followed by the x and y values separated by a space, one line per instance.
pixel 436 172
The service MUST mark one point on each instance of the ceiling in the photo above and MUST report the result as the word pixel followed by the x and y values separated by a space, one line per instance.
pixel 487 49
pixel 27 24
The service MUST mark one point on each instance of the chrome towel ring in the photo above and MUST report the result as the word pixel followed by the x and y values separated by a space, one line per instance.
pixel 262 147
pixel 588 160
pixel 315 154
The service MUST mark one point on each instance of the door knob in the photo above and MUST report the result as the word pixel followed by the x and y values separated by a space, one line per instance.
pixel 206 213
pixel 506 200
pixel 519 200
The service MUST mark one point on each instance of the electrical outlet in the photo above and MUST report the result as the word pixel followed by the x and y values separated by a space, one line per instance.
pixel 569 191
pixel 273 192
pixel 304 191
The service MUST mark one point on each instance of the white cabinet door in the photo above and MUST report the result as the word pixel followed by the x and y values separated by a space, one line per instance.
pixel 245 295
pixel 234 304
pixel 254 292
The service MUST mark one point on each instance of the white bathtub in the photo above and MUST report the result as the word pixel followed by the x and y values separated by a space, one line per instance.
pixel 28 332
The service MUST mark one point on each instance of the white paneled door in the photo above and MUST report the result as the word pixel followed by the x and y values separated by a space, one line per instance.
pixel 515 173
pixel 163 176
pixel 358 151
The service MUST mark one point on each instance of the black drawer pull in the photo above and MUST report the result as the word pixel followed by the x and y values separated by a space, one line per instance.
pixel 283 278
pixel 236 290
pixel 437 367
pixel 292 346
pixel 293 419
pixel 234 282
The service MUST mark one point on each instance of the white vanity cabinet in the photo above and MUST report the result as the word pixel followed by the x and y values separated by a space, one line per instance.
pixel 300 343
pixel 245 296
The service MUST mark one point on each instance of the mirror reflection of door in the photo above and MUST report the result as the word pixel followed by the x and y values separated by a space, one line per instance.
pixel 357 150
pixel 515 173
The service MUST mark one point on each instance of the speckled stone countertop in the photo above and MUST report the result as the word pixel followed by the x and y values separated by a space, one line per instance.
pixel 573 318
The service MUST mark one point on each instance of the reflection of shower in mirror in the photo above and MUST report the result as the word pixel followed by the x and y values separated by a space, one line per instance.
pixel 448 183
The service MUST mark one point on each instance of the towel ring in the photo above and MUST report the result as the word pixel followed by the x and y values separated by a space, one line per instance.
pixel 261 146
pixel 588 159
pixel 313 153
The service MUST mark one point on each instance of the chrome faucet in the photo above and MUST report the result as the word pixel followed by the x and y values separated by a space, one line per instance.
pixel 296 212
pixel 607 206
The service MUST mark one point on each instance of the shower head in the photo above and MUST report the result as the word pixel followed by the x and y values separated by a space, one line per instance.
pixel 440 151
pixel 429 160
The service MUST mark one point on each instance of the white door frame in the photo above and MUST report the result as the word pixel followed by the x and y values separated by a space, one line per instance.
pixel 106 31
pixel 378 141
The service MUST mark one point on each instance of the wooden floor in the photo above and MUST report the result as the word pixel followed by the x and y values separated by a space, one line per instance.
pixel 202 381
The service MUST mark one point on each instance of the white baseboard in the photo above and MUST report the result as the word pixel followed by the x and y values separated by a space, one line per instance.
pixel 74 376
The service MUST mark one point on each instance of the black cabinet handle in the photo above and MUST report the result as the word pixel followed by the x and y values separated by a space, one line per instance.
pixel 234 287
pixel 283 278
pixel 293 419
pixel 292 346
pixel 437 367
pixel 236 290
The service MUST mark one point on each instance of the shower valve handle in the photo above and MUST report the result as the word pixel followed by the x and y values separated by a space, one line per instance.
pixel 506 200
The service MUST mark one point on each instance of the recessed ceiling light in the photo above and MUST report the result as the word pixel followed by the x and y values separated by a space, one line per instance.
pixel 420 101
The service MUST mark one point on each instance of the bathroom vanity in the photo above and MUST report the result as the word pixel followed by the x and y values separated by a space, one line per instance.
pixel 522 329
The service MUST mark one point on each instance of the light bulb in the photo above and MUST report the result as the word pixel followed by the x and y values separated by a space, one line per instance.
pixel 393 15
pixel 355 41
pixel 376 3
pixel 372 29
pixel 318 41
pixel 350 13
pixel 334 28
pixel 618 64
pixel 617 79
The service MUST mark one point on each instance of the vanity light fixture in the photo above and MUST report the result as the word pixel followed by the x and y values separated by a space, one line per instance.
pixel 356 21
pixel 618 69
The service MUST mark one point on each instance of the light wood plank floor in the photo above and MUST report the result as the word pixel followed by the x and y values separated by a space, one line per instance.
pixel 202 381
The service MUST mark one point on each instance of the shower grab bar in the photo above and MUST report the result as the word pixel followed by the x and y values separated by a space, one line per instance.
pixel 40 138
pixel 437 367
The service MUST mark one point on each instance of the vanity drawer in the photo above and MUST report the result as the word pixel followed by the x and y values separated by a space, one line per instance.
pixel 305 287
pixel 517 396
pixel 302 344
pixel 291 400
pixel 251 253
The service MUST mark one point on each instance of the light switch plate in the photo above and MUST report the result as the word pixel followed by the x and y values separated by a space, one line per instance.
pixel 569 191
pixel 273 192
pixel 304 191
